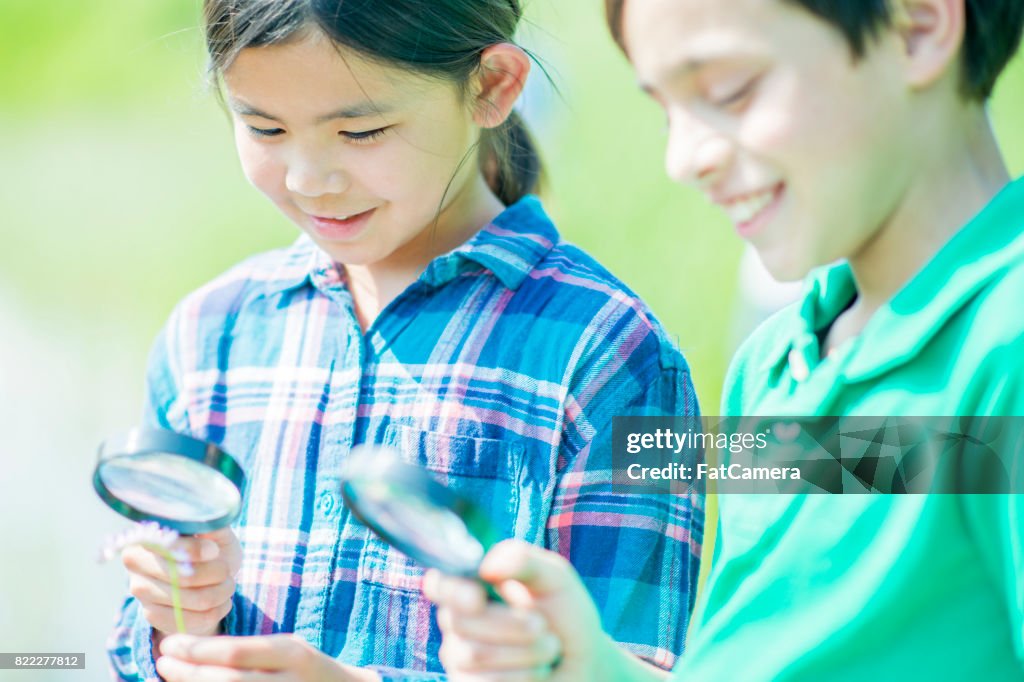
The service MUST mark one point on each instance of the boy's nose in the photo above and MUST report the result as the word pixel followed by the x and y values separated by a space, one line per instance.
pixel 696 155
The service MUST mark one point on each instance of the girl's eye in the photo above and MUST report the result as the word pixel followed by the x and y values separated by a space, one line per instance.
pixel 363 136
pixel 264 132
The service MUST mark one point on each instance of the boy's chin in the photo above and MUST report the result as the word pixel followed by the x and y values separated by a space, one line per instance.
pixel 783 266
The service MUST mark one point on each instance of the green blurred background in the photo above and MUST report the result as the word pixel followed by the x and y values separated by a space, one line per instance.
pixel 120 192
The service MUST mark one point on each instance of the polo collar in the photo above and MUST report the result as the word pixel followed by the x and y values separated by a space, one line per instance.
pixel 988 244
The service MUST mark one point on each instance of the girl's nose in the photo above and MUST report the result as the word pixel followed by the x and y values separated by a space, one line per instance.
pixel 314 178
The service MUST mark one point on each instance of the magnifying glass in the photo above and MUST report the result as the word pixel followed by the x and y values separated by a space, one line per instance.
pixel 416 514
pixel 180 482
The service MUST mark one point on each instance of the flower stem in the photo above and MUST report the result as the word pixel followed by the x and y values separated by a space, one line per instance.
pixel 172 568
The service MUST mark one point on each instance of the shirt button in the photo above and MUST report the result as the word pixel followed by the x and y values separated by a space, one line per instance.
pixel 326 503
pixel 797 365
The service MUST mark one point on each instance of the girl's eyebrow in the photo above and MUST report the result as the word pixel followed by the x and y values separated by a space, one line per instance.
pixel 360 110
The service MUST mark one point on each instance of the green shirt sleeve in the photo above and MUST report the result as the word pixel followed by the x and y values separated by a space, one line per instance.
pixel 996 522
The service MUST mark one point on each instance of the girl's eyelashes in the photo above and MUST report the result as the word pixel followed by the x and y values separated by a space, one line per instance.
pixel 264 132
pixel 365 135
pixel 362 136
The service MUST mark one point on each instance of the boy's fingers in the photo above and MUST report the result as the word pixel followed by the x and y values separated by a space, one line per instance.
pixel 465 596
pixel 497 625
pixel 473 656
pixel 542 571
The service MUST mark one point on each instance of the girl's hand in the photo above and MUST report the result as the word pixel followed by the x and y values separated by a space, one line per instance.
pixel 269 658
pixel 205 595
pixel 548 629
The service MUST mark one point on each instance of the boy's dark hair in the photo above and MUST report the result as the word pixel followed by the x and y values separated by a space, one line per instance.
pixel 991 36
pixel 438 38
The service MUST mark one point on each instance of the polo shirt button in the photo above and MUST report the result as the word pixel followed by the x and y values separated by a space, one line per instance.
pixel 797 365
pixel 326 503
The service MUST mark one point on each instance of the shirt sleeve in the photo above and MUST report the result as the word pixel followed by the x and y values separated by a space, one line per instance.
pixel 130 644
pixel 996 522
pixel 638 554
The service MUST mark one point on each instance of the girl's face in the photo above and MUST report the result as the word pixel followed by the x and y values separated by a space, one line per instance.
pixel 769 114
pixel 356 154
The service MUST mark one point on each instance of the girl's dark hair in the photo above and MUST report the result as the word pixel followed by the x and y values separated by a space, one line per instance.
pixel 992 35
pixel 437 38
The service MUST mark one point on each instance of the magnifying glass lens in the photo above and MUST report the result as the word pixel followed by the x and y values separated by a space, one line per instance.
pixel 170 486
pixel 186 484
pixel 438 535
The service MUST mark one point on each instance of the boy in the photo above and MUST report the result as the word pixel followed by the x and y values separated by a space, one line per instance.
pixel 850 137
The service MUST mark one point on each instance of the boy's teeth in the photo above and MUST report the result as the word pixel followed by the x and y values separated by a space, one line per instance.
pixel 745 210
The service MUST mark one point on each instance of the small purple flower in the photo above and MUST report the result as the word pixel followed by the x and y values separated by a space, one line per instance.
pixel 152 536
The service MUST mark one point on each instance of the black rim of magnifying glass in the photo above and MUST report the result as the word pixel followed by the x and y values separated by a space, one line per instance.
pixel 394 472
pixel 151 441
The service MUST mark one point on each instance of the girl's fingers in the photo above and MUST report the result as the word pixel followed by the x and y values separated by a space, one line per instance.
pixel 141 561
pixel 153 591
pixel 196 622
pixel 230 549
pixel 468 656
pixel 175 670
pixel 498 624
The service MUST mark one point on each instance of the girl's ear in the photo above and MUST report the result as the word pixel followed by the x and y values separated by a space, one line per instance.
pixel 498 82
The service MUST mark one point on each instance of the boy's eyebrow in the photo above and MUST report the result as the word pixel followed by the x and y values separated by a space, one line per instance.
pixel 360 110
pixel 683 68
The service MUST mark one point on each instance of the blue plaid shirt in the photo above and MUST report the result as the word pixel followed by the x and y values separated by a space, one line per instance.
pixel 499 370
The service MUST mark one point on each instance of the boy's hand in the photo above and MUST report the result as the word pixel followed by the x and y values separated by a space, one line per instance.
pixel 284 658
pixel 548 629
pixel 205 595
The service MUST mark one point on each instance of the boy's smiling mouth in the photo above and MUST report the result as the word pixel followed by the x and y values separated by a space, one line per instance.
pixel 748 211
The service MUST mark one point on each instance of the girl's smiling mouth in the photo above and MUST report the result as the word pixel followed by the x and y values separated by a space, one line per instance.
pixel 340 227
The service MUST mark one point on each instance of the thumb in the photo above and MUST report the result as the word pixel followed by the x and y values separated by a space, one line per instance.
pixel 541 571
pixel 533 578
pixel 222 536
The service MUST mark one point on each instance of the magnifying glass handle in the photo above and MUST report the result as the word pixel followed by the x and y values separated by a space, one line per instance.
pixel 492 594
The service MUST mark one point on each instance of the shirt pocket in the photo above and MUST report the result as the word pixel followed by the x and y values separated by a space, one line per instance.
pixel 484 471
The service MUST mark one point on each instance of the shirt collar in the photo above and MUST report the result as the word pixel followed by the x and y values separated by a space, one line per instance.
pixel 510 246
pixel 975 255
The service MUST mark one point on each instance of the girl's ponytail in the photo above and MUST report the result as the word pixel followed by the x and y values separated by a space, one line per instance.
pixel 510 160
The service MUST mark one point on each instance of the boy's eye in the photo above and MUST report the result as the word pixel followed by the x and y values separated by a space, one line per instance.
pixel 364 135
pixel 264 132
pixel 736 96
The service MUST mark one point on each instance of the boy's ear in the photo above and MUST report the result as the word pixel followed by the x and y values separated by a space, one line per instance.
pixel 933 33
pixel 498 82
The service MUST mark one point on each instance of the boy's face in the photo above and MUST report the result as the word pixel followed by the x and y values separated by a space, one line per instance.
pixel 356 154
pixel 769 114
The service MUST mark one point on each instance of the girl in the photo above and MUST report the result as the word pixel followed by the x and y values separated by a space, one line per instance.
pixel 429 305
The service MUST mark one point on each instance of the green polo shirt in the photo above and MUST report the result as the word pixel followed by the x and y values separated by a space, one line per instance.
pixel 879 587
